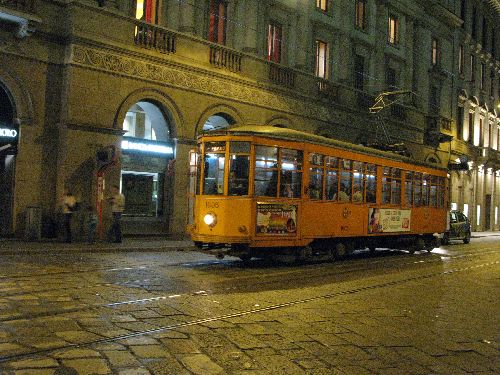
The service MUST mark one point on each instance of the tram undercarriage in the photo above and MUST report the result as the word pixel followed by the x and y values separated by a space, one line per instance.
pixel 324 249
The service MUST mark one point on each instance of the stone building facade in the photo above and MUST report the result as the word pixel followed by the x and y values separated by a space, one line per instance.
pixel 79 79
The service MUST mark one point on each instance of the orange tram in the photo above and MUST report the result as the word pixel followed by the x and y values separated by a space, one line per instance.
pixel 265 191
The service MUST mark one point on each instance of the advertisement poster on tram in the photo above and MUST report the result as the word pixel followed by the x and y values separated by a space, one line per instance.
pixel 386 220
pixel 276 218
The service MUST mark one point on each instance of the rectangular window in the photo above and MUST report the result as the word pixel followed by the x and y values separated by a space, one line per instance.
pixel 217 25
pixel 460 123
pixel 290 173
pixel 391 78
pixel 391 186
pixel 146 10
pixel 359 72
pixel 371 183
pixel 213 175
pixel 322 5
pixel 466 209
pixel 492 83
pixel 461 57
pixel 471 127
pixel 435 52
pixel 480 139
pixel 266 171
pixel 361 14
pixel 462 11
pixel 316 176
pixel 239 167
pixel 484 32
pixel 496 215
pixel 332 177
pixel 474 23
pixel 321 59
pixel 483 76
pixel 393 30
pixel 472 67
pixel 274 40
pixel 478 215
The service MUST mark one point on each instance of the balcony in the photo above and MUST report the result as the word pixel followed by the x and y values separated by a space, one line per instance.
pixel 438 130
pixel 225 58
pixel 328 90
pixel 21 14
pixel 154 37
pixel 489 157
pixel 281 75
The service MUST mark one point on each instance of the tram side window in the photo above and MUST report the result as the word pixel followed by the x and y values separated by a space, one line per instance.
pixel 441 193
pixel 371 183
pixel 357 182
pixel 266 171
pixel 408 188
pixel 417 189
pixel 396 186
pixel 291 173
pixel 391 186
pixel 345 190
pixel 316 176
pixel 433 191
pixel 426 187
pixel 214 162
pixel 332 177
pixel 239 168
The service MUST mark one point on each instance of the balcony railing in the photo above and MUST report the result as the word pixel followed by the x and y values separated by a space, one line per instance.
pixel 27 6
pixel 154 37
pixel 222 57
pixel 281 75
pixel 328 89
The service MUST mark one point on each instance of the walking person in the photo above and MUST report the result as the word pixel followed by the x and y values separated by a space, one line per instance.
pixel 91 224
pixel 117 207
pixel 68 207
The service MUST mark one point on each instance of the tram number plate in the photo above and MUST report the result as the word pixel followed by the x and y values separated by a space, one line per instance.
pixel 212 204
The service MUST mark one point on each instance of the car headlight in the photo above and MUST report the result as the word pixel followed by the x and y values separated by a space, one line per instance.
pixel 210 219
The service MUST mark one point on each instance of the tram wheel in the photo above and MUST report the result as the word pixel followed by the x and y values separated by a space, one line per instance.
pixel 245 257
pixel 340 251
pixel 304 253
pixel 418 246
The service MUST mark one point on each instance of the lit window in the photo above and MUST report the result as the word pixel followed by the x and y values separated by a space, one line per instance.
pixel 146 10
pixel 322 5
pixel 393 30
pixel 434 51
pixel 321 59
pixel 274 39
pixel 361 14
pixel 217 25
pixel 478 216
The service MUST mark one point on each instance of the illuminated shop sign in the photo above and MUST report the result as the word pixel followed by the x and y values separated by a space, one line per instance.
pixel 8 133
pixel 146 147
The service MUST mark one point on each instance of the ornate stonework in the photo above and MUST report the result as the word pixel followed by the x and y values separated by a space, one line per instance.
pixel 209 83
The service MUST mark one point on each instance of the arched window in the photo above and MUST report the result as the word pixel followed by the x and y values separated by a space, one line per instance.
pixel 145 120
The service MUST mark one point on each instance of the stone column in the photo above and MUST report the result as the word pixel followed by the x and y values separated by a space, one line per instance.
pixel 171 14
pixel 249 27
pixel 179 212
pixel 186 19
pixel 302 44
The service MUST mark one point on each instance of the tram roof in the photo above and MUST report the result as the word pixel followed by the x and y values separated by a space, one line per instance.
pixel 296 135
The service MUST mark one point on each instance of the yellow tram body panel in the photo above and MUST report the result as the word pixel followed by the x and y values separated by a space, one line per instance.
pixel 275 221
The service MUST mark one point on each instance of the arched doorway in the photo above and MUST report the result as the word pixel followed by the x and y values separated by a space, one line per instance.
pixel 9 134
pixel 147 150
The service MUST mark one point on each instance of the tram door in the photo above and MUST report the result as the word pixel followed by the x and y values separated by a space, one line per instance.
pixel 193 161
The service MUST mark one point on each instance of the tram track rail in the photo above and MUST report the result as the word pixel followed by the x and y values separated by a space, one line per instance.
pixel 241 313
pixel 296 274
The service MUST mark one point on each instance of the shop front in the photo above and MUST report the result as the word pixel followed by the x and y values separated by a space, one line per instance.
pixel 147 153
pixel 9 136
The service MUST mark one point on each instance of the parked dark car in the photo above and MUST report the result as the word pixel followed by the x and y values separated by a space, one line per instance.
pixel 459 228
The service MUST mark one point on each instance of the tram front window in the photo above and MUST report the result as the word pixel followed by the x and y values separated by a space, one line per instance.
pixel 214 161
pixel 239 165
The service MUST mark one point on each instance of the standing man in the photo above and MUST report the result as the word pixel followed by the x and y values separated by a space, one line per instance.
pixel 117 208
pixel 68 207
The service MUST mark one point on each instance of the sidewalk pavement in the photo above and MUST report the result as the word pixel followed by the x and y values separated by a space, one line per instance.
pixel 9 245
pixel 12 245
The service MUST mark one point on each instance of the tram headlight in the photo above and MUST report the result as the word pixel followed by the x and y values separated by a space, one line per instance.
pixel 210 219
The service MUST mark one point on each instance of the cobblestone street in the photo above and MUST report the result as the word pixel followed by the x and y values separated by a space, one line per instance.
pixel 131 310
